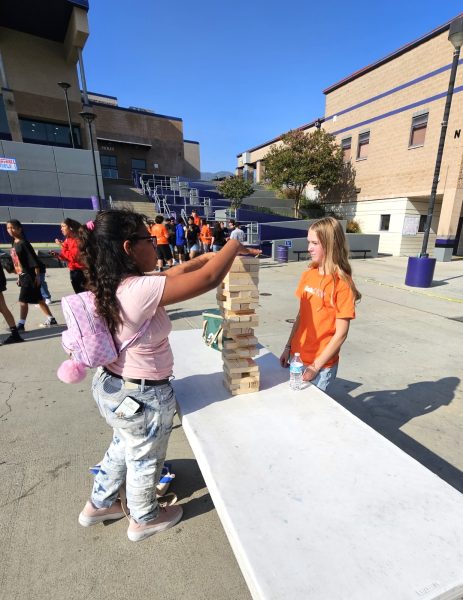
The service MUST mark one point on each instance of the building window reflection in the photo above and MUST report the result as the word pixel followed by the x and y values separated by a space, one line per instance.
pixel 49 134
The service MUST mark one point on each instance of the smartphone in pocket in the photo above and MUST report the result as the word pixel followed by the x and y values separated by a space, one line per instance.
pixel 127 408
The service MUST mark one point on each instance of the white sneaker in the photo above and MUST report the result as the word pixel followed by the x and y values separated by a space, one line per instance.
pixel 48 301
pixel 49 323
pixel 168 517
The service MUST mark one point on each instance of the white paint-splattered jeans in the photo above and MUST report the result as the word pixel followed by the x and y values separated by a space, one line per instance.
pixel 138 448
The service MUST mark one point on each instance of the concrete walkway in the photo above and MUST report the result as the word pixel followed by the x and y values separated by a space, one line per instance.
pixel 400 372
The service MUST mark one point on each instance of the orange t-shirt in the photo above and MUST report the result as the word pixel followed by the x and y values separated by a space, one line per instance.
pixel 161 233
pixel 205 235
pixel 196 220
pixel 322 301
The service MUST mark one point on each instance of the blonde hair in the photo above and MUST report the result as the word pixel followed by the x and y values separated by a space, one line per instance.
pixel 334 243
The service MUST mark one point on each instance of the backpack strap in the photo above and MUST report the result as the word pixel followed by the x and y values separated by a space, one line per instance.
pixel 135 337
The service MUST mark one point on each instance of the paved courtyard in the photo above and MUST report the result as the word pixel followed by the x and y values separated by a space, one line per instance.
pixel 400 373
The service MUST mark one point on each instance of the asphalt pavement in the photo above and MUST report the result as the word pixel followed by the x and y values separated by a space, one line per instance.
pixel 400 372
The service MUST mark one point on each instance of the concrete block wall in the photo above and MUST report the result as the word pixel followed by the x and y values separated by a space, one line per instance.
pixel 49 171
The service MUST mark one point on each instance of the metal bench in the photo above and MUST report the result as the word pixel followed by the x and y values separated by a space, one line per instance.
pixel 360 251
pixel 299 252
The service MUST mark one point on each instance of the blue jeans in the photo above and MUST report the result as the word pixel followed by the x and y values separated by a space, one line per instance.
pixel 325 377
pixel 138 448
pixel 44 288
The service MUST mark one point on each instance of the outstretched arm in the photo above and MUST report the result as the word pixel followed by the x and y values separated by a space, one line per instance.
pixel 190 280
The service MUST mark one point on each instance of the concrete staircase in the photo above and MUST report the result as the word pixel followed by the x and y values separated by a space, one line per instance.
pixel 126 196
pixel 267 198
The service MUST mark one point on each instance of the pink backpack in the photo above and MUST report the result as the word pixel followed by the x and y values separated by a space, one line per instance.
pixel 87 339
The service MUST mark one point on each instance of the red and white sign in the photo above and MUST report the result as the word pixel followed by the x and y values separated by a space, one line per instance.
pixel 8 164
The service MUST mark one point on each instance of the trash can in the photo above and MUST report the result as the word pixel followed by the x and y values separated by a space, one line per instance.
pixel 420 271
pixel 282 254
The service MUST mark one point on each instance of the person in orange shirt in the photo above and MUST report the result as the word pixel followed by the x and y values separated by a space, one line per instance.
pixel 327 297
pixel 196 219
pixel 159 230
pixel 205 236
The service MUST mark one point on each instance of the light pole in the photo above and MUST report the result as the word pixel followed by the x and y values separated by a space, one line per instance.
pixel 420 270
pixel 88 116
pixel 65 86
pixel 456 38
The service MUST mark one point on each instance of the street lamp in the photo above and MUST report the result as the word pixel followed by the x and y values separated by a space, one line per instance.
pixel 89 116
pixel 65 86
pixel 420 270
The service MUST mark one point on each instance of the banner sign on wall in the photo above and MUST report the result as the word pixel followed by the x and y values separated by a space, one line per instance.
pixel 8 164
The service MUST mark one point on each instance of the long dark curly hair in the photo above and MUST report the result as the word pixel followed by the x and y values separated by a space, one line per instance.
pixel 106 261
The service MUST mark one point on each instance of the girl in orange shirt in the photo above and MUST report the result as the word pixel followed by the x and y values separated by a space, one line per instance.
pixel 327 296
pixel 205 236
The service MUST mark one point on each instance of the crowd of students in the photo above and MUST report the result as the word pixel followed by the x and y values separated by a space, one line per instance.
pixel 178 241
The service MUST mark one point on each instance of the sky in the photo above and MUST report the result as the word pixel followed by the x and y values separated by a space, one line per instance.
pixel 241 73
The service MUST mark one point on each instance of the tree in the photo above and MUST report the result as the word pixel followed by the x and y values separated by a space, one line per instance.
pixel 304 158
pixel 235 188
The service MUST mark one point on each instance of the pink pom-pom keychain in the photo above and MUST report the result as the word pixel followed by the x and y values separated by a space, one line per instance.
pixel 71 371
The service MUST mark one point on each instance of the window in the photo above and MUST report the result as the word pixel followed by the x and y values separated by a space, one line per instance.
pixel 49 134
pixel 418 130
pixel 109 166
pixel 138 165
pixel 364 142
pixel 346 145
pixel 384 222
pixel 422 223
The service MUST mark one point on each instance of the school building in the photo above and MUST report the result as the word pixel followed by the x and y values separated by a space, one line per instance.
pixel 387 118
pixel 45 143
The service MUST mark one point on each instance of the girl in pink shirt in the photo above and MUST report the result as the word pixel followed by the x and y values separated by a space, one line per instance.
pixel 134 393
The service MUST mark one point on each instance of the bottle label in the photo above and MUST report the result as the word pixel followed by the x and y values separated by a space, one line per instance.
pixel 296 369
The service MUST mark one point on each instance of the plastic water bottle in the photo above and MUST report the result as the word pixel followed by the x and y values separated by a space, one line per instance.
pixel 296 370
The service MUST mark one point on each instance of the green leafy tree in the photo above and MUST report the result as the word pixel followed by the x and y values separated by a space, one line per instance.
pixel 304 158
pixel 236 189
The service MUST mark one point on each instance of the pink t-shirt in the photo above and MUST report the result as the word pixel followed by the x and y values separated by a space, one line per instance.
pixel 149 357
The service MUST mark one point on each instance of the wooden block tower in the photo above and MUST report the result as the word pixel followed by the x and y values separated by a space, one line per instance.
pixel 238 297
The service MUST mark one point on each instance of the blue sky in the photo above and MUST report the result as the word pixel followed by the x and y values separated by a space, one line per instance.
pixel 240 73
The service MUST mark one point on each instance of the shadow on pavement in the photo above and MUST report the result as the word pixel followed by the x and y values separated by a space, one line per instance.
pixel 188 481
pixel 386 411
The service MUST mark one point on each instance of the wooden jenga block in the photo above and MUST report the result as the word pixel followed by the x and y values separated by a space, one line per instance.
pixel 246 385
pixel 246 278
pixel 239 352
pixel 249 319
pixel 244 263
pixel 232 329
pixel 239 341
pixel 229 287
pixel 242 366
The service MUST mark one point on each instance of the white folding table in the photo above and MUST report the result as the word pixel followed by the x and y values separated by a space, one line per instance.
pixel 316 504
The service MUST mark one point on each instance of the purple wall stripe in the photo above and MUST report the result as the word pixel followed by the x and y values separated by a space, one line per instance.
pixel 397 111
pixel 394 90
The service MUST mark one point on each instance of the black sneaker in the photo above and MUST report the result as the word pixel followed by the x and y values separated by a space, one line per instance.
pixel 12 339
pixel 49 322
pixel 20 327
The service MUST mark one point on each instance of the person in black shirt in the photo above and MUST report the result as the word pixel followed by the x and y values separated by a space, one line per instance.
pixel 192 237
pixel 27 267
pixel 218 237
pixel 5 311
